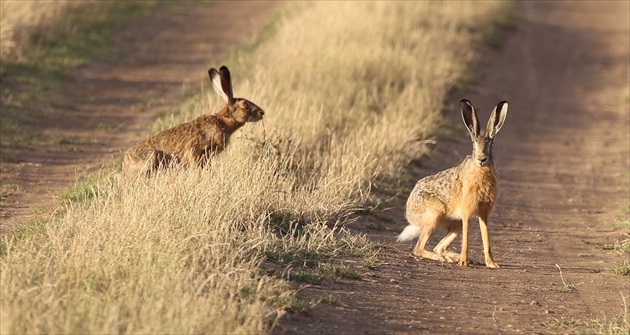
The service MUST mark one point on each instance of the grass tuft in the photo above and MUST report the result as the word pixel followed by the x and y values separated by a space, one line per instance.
pixel 339 271
pixel 332 299
pixel 617 326
pixel 88 188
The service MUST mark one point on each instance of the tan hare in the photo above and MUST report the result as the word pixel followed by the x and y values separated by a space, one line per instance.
pixel 194 143
pixel 449 199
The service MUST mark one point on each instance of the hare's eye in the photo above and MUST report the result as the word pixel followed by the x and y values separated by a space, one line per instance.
pixel 242 104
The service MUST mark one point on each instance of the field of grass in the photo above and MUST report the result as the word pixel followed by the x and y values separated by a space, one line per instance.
pixel 209 251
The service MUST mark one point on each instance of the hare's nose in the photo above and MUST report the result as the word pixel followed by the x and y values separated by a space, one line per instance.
pixel 262 112
pixel 483 161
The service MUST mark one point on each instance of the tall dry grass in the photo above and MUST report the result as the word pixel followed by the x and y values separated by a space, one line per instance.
pixel 348 89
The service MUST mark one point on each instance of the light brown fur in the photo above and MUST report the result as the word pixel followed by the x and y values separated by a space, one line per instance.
pixel 194 143
pixel 449 199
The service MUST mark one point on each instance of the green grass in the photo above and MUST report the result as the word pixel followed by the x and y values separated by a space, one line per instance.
pixel 299 306
pixel 622 269
pixel 339 271
pixel 84 189
pixel 371 263
pixel 295 257
pixel 305 276
pixel 331 299
pixel 562 323
pixel 621 246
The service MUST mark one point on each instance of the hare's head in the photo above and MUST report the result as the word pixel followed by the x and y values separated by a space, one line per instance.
pixel 242 110
pixel 482 143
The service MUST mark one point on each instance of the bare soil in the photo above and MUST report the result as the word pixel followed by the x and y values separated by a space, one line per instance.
pixel 117 102
pixel 563 158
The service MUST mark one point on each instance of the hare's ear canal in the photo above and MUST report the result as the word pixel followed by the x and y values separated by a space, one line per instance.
pixel 470 117
pixel 215 79
pixel 226 83
pixel 497 118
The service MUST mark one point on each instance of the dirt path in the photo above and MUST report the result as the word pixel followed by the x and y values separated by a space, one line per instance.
pixel 563 157
pixel 162 54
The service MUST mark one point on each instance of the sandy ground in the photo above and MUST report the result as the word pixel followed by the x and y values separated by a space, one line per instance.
pixel 563 158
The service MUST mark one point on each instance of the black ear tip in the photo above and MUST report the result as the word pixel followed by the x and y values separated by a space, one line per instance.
pixel 465 103
pixel 212 71
pixel 224 69
pixel 501 104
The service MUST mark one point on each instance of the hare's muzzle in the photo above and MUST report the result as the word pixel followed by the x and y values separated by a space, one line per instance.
pixel 257 115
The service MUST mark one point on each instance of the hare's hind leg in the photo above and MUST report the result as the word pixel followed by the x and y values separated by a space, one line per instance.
pixel 158 159
pixel 427 222
pixel 454 228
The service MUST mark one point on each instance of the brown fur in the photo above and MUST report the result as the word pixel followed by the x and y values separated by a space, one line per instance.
pixel 449 199
pixel 192 143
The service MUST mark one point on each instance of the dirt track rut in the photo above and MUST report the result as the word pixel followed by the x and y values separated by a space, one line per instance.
pixel 563 159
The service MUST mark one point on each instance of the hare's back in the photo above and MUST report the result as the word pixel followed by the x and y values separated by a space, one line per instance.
pixel 179 139
pixel 435 189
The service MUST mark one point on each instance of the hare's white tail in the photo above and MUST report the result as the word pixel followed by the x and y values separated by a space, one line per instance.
pixel 410 233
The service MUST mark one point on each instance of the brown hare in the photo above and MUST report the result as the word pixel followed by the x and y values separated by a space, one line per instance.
pixel 194 143
pixel 449 199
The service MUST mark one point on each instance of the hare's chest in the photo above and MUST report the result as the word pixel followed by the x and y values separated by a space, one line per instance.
pixel 481 196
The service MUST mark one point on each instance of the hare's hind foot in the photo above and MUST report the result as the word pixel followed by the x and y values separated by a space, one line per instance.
pixel 451 256
pixel 430 255
pixel 491 264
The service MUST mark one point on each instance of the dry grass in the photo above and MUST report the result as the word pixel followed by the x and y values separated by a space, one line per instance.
pixel 180 253
pixel 618 325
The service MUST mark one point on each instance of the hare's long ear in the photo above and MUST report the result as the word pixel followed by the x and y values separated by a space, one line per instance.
pixel 215 79
pixel 496 119
pixel 470 117
pixel 226 83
